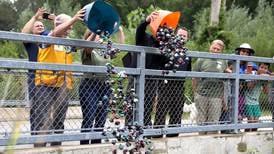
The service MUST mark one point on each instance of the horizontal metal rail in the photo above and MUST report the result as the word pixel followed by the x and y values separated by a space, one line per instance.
pixel 19 64
pixel 13 36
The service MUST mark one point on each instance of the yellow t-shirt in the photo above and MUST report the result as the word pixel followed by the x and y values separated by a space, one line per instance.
pixel 54 54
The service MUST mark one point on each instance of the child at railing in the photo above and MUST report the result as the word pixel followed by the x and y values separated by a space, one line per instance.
pixel 252 106
pixel 243 50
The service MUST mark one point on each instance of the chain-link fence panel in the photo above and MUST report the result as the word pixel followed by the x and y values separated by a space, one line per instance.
pixel 82 103
pixel 150 99
pixel 210 103
pixel 175 102
pixel 130 109
pixel 13 97
pixel 168 101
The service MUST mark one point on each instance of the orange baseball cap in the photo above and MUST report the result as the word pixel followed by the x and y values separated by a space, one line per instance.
pixel 165 17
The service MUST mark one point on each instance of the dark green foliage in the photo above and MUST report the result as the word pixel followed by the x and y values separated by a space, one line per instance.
pixel 8 16
pixel 241 21
pixel 236 27
pixel 11 50
pixel 251 5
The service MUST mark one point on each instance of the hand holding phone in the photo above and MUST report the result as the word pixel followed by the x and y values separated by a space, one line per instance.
pixel 48 16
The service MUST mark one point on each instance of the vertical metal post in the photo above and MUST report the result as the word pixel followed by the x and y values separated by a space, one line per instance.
pixel 140 88
pixel 236 95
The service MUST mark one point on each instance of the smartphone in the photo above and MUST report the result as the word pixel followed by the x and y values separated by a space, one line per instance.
pixel 46 16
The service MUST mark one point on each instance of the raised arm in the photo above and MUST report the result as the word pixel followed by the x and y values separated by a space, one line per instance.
pixel 141 33
pixel 141 29
pixel 29 25
pixel 89 36
pixel 121 35
pixel 61 29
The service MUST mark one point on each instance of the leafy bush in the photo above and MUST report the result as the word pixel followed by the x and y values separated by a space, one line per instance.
pixel 12 50
pixel 255 30
pixel 238 27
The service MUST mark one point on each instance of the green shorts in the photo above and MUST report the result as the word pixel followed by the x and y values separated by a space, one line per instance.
pixel 252 110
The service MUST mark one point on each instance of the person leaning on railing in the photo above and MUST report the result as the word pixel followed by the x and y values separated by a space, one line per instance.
pixel 208 93
pixel 34 26
pixel 244 50
pixel 93 88
pixel 52 87
pixel 252 109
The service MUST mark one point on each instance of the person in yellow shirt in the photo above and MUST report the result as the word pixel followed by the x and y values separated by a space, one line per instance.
pixel 51 94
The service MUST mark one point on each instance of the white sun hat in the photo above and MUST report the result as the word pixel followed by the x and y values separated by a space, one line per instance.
pixel 245 46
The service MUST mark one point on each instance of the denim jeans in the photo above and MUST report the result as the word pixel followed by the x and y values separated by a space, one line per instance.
pixel 31 85
pixel 94 99
pixel 31 95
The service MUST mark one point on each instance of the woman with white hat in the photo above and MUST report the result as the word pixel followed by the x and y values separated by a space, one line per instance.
pixel 244 50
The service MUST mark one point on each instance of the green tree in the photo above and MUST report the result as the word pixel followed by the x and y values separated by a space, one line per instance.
pixel 8 16
pixel 11 50
pixel 256 30
pixel 250 5
pixel 238 27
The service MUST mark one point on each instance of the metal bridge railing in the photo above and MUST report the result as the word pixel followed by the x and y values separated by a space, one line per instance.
pixel 174 95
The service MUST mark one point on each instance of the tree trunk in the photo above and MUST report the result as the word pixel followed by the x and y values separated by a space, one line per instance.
pixel 215 11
